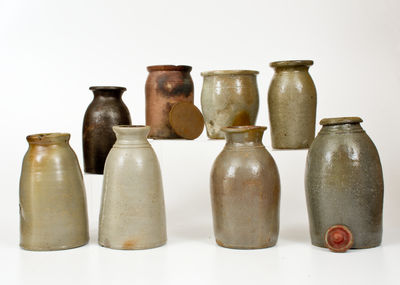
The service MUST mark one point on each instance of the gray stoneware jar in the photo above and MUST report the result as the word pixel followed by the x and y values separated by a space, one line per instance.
pixel 132 210
pixel 344 187
pixel 245 191
pixel 52 195
pixel 229 98
pixel 292 104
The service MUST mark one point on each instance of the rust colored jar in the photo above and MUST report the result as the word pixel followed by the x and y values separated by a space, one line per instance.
pixel 165 86
pixel 245 191
pixel 105 111
pixel 344 187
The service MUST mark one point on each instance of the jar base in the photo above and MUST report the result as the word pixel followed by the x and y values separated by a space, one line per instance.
pixel 165 138
pixel 220 243
pixel 353 247
pixel 94 171
pixel 155 245
pixel 64 247
pixel 290 144
pixel 290 148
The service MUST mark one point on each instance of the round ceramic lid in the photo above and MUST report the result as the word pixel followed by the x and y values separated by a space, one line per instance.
pixel 186 120
pixel 338 238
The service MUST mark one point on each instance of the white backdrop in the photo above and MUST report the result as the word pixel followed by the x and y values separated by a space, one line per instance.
pixel 52 51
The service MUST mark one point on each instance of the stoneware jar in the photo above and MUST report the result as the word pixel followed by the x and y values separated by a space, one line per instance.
pixel 292 103
pixel 344 187
pixel 105 111
pixel 53 213
pixel 132 210
pixel 229 98
pixel 166 85
pixel 245 191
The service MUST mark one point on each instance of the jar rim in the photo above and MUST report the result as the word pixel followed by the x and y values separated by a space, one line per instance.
pixel 291 63
pixel 242 129
pixel 130 126
pixel 340 121
pixel 230 72
pixel 48 138
pixel 96 88
pixel 169 67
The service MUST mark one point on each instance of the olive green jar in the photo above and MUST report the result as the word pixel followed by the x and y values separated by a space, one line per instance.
pixel 53 213
pixel 245 191
pixel 229 98
pixel 344 187
pixel 292 103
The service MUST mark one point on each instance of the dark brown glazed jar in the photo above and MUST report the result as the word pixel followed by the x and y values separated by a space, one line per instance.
pixel 106 110
pixel 165 86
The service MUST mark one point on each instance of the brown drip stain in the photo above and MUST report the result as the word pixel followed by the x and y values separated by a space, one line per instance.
pixel 241 119
pixel 129 244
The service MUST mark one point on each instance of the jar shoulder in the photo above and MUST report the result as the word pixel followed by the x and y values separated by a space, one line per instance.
pixel 353 147
pixel 288 83
pixel 171 81
pixel 246 160
pixel 143 156
pixel 115 110
pixel 49 155
pixel 50 164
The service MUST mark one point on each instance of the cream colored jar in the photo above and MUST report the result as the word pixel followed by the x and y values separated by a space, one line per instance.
pixel 132 211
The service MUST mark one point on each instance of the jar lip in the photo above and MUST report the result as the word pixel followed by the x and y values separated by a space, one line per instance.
pixel 242 129
pixel 169 67
pixel 291 63
pixel 96 88
pixel 340 121
pixel 48 138
pixel 230 72
pixel 129 128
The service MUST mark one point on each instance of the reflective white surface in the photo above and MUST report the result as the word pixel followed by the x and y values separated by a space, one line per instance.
pixel 52 51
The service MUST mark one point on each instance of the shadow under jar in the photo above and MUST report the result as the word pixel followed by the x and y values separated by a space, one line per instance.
pixel 292 104
pixel 344 187
pixel 105 111
pixel 166 85
pixel 53 212
pixel 229 98
pixel 245 191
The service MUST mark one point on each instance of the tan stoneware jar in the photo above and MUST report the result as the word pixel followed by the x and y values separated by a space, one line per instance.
pixel 229 98
pixel 132 210
pixel 53 213
pixel 245 191
pixel 344 187
pixel 166 85
pixel 292 104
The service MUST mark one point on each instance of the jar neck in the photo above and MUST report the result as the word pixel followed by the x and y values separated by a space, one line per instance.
pixel 297 68
pixel 244 136
pixel 342 128
pixel 108 94
pixel 128 136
